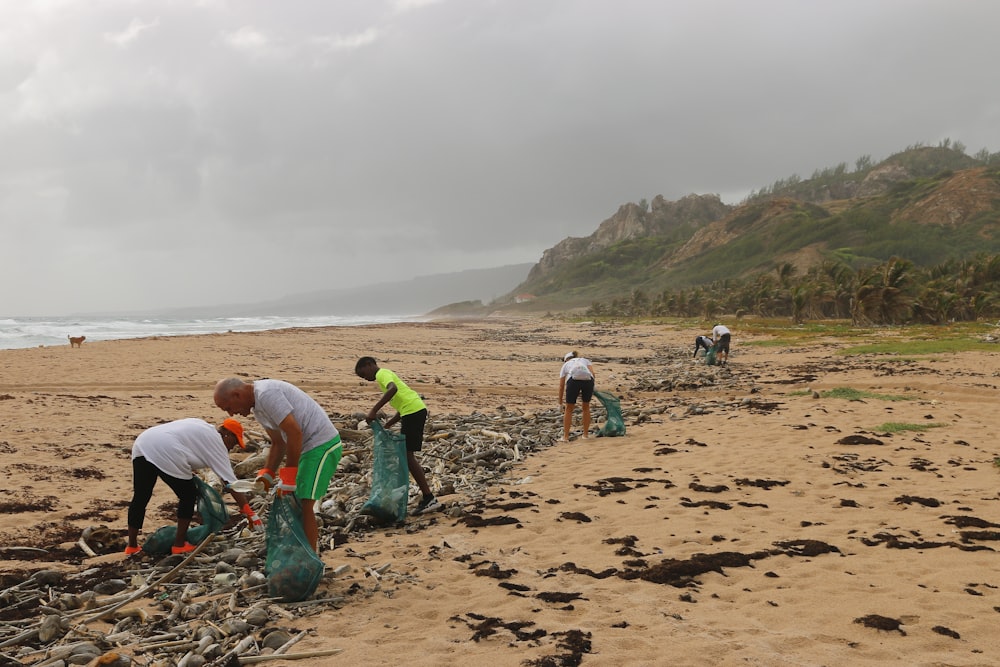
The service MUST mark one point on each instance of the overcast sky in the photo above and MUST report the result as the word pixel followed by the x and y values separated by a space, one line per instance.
pixel 166 153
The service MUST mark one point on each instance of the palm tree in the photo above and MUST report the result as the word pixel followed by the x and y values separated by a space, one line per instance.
pixel 880 293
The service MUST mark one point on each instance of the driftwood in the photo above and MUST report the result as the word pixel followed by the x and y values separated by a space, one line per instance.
pixel 101 613
pixel 253 659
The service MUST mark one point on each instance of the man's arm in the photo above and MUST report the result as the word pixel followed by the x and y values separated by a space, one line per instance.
pixel 277 451
pixel 292 441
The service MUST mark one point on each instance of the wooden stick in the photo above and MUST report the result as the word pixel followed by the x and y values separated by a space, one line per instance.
pixel 290 643
pixel 243 645
pixel 85 547
pixel 252 659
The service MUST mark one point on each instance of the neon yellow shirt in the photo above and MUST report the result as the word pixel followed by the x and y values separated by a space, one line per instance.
pixel 406 401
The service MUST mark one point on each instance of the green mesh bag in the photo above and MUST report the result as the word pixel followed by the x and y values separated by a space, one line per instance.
pixel 292 567
pixel 615 424
pixel 214 515
pixel 710 358
pixel 390 477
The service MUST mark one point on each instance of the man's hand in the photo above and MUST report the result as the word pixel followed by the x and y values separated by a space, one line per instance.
pixel 253 521
pixel 286 481
pixel 266 477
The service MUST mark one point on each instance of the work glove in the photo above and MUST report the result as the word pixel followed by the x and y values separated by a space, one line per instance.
pixel 253 521
pixel 266 477
pixel 286 481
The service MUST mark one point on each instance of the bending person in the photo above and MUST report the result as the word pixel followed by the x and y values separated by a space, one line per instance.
pixel 576 380
pixel 721 337
pixel 411 413
pixel 702 342
pixel 301 434
pixel 172 452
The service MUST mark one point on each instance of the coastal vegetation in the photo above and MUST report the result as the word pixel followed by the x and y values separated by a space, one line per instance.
pixel 914 238
pixel 902 427
pixel 894 292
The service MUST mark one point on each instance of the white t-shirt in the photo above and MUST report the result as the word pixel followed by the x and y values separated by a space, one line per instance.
pixel 276 399
pixel 718 330
pixel 180 447
pixel 576 368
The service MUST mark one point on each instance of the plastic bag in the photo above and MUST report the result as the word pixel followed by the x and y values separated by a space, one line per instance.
pixel 710 357
pixel 292 567
pixel 214 516
pixel 615 424
pixel 390 477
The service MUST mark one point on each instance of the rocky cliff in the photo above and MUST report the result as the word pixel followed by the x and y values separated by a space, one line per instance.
pixel 631 221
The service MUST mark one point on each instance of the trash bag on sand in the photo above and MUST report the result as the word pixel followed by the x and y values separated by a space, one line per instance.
pixel 390 477
pixel 615 424
pixel 710 357
pixel 214 515
pixel 292 567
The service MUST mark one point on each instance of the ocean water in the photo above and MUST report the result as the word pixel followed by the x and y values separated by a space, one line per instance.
pixel 22 332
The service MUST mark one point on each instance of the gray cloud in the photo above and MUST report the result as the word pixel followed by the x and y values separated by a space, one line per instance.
pixel 152 150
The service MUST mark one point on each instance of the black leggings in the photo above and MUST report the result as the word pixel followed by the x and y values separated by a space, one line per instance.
pixel 144 476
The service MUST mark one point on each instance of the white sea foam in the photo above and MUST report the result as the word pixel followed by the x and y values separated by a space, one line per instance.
pixel 22 332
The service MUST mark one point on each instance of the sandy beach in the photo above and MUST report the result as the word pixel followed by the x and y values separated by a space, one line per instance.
pixel 747 517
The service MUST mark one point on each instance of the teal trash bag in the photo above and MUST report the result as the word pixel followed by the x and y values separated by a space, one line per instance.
pixel 214 515
pixel 615 424
pixel 292 567
pixel 390 477
pixel 710 357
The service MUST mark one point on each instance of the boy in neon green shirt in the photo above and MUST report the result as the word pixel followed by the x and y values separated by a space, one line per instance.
pixel 411 413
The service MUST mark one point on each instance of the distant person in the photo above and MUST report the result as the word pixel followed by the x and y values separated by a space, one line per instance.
pixel 172 452
pixel 411 413
pixel 721 336
pixel 576 380
pixel 702 342
pixel 301 433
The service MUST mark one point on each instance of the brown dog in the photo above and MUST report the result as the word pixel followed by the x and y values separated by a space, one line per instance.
pixel 76 341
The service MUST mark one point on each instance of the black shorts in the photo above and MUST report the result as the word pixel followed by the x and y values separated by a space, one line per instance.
pixel 582 388
pixel 412 426
pixel 723 344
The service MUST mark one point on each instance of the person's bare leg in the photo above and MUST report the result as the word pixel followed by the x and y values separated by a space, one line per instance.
pixel 133 537
pixel 586 420
pixel 417 471
pixel 182 531
pixel 309 525
pixel 567 421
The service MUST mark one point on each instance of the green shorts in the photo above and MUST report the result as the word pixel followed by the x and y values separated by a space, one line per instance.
pixel 316 468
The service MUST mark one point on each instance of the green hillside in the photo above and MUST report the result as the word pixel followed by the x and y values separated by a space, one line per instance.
pixel 928 218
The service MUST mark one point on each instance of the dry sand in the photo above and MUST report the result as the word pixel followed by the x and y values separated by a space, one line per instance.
pixel 802 534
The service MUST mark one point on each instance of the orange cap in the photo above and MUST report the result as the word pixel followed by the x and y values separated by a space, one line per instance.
pixel 236 429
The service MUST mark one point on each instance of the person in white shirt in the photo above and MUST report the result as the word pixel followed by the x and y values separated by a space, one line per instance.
pixel 172 452
pixel 702 342
pixel 576 380
pixel 721 336
pixel 302 436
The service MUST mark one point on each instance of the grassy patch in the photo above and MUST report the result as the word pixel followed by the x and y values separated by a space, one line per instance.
pixel 901 427
pixel 922 347
pixel 849 394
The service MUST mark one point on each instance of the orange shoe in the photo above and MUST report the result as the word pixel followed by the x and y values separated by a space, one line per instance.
pixel 186 549
pixel 131 551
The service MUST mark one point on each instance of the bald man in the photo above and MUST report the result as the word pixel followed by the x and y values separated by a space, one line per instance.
pixel 302 436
